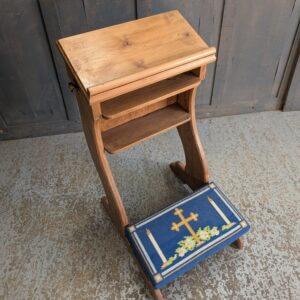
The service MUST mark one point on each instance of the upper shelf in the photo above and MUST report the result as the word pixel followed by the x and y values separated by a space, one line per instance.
pixel 148 95
pixel 108 58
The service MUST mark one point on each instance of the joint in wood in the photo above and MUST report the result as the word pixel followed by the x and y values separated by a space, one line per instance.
pixel 197 71
pixel 73 87
pixel 200 72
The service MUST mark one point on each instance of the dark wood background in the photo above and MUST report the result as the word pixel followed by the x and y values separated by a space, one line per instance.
pixel 258 66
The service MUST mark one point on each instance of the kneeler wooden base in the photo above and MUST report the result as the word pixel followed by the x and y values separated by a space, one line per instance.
pixel 132 82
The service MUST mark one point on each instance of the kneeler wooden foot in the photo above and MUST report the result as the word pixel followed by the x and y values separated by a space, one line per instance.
pixel 156 293
pixel 238 244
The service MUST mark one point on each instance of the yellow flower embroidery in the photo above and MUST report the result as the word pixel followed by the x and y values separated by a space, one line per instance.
pixel 181 251
pixel 214 231
pixel 203 235
pixel 189 243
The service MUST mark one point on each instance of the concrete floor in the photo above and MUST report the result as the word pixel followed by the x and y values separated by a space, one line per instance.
pixel 56 242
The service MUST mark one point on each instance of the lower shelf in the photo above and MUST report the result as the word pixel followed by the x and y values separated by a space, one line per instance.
pixel 135 131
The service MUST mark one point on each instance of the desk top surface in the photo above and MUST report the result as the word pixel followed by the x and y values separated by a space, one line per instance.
pixel 110 57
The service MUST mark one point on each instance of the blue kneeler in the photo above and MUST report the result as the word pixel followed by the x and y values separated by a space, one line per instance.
pixel 172 241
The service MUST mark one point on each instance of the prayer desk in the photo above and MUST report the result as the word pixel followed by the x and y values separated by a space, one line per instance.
pixel 132 82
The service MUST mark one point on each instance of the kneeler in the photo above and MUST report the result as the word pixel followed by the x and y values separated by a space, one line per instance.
pixel 133 81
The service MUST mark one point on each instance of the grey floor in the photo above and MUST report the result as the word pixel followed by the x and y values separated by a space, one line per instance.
pixel 57 243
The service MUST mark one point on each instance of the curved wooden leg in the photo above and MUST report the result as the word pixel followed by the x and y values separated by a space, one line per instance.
pixel 92 131
pixel 239 244
pixel 195 171
pixel 156 293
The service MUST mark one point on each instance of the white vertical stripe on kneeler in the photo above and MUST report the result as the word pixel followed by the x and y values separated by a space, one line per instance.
pixel 216 207
pixel 145 252
pixel 156 246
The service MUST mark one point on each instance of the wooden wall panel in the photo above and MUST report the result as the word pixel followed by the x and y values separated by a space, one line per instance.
pixel 29 90
pixel 291 83
pixel 288 87
pixel 287 57
pixel 293 94
pixel 252 39
pixel 105 13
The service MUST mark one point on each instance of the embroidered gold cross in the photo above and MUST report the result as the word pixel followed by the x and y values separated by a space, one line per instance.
pixel 185 222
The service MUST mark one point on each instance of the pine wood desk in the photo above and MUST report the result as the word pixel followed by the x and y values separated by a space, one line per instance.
pixel 132 82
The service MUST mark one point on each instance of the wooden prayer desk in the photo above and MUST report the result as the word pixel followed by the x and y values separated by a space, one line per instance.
pixel 132 82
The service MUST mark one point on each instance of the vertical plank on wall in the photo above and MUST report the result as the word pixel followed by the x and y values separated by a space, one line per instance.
pixel 2 125
pixel 251 43
pixel 210 22
pixel 293 94
pixel 289 43
pixel 287 86
pixel 290 91
pixel 29 89
pixel 101 13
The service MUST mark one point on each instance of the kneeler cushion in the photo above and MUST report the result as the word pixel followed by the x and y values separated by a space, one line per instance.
pixel 175 239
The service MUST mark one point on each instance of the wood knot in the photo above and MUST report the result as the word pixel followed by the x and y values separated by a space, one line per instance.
pixel 73 87
pixel 126 43
pixel 140 64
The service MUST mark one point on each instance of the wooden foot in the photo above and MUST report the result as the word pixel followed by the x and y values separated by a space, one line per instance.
pixel 238 244
pixel 156 293
pixel 180 172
